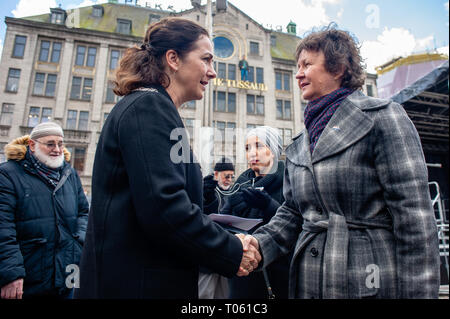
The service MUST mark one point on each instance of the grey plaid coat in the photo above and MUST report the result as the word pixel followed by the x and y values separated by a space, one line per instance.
pixel 369 228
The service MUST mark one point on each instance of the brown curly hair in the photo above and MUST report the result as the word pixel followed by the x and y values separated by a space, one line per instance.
pixel 143 65
pixel 340 49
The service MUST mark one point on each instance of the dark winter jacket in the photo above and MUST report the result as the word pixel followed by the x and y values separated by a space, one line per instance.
pixel 42 228
pixel 147 234
pixel 253 286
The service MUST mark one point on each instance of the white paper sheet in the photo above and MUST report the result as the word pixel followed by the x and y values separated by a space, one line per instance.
pixel 235 221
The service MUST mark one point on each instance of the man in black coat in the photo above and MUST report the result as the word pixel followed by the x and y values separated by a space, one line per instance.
pixel 217 186
pixel 43 217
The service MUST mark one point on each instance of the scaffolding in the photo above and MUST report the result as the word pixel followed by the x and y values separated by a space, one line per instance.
pixel 442 223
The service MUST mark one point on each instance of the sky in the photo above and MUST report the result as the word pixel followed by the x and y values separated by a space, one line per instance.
pixel 385 29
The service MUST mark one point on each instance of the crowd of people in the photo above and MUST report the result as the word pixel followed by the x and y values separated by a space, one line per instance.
pixel 350 195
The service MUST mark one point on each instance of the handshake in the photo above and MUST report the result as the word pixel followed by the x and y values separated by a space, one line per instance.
pixel 251 256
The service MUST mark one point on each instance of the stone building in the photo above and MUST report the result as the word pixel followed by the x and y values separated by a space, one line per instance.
pixel 59 66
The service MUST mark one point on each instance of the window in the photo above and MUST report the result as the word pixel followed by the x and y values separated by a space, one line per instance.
pixel 223 47
pixel 232 102
pixel 222 71
pixel 110 96
pixel 81 58
pixel 51 85
pixel 251 74
pixel 220 105
pixel 2 152
pixel 123 26
pixel 259 75
pixel 369 88
pixel 39 84
pixel 79 92
pixel 46 114
pixel 114 59
pixel 81 52
pixel 83 120
pixel 76 88
pixel 283 110
pixel 92 52
pixel 43 87
pixel 287 81
pixel 19 46
pixel 273 40
pixel 190 105
pixel 283 81
pixel 155 18
pixel 7 114
pixel 78 158
pixel 56 52
pixel 71 123
pixel 97 11
pixel 45 51
pixel 224 102
pixel 255 104
pixel 232 71
pixel 57 17
pixel 225 135
pixel 286 135
pixel 87 89
pixel 35 116
pixel 254 48
pixel 189 125
pixel 12 83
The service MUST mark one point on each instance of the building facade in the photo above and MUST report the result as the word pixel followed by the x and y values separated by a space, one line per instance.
pixel 60 66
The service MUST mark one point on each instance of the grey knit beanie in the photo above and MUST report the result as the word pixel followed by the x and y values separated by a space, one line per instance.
pixel 270 137
pixel 46 129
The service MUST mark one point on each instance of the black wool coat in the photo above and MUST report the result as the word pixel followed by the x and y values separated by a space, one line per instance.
pixel 147 235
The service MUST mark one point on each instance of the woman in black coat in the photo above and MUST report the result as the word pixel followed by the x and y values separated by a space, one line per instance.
pixel 259 194
pixel 147 235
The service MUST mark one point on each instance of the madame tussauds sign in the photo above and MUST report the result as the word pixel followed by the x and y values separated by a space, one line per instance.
pixel 246 85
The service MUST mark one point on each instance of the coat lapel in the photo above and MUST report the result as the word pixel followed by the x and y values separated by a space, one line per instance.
pixel 347 126
pixel 298 152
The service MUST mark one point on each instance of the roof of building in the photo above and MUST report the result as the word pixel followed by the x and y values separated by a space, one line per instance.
pixel 285 46
pixel 140 18
pixel 409 60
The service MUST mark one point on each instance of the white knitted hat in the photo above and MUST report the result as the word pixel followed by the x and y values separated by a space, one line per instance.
pixel 46 129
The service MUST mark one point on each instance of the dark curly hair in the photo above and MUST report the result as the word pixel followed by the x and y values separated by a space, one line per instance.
pixel 143 65
pixel 340 49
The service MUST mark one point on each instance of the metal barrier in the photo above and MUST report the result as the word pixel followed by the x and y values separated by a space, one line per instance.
pixel 442 223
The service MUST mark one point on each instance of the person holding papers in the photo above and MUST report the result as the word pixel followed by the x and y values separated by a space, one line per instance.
pixel 259 193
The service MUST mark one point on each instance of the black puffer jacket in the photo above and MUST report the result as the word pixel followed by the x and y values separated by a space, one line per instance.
pixel 253 286
pixel 42 228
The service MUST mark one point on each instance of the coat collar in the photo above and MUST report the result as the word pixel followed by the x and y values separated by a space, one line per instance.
pixel 349 124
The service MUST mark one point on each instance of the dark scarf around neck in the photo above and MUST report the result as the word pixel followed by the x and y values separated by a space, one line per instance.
pixel 51 175
pixel 319 112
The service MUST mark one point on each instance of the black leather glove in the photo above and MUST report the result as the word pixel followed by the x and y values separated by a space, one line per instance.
pixel 256 198
pixel 209 184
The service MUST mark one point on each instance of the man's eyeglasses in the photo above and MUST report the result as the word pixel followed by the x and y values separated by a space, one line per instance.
pixel 51 145
pixel 229 176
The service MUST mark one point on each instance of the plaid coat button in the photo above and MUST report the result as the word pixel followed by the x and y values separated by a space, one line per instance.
pixel 314 252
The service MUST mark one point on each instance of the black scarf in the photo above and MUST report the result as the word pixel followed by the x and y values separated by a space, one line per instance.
pixel 51 175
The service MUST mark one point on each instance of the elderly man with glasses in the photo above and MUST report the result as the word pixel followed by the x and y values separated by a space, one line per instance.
pixel 43 217
pixel 217 186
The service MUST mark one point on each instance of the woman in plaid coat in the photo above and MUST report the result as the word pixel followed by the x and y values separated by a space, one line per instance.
pixel 358 177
